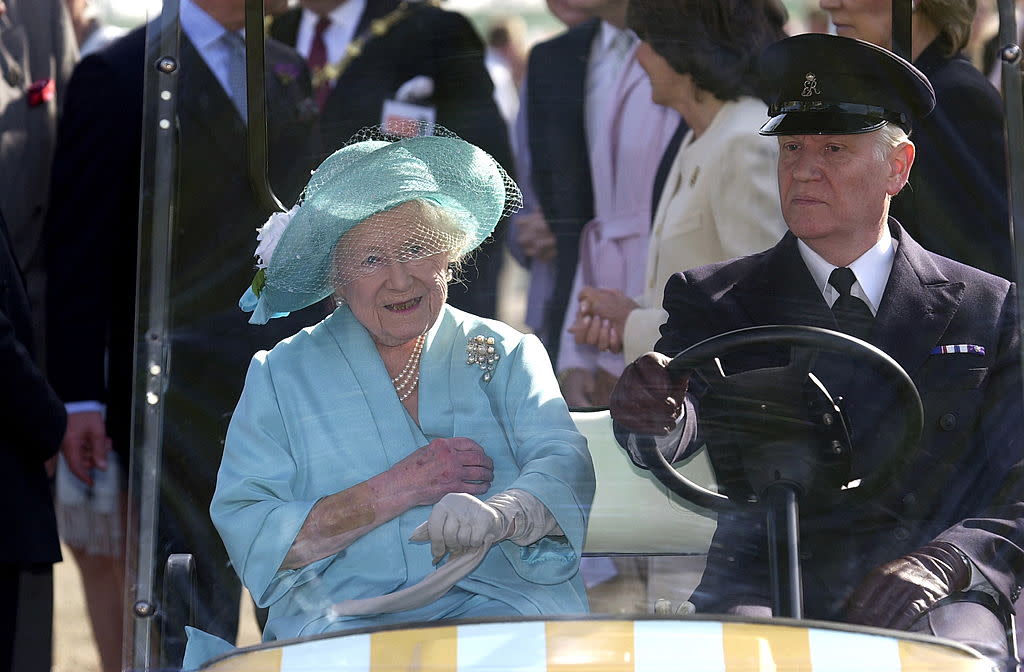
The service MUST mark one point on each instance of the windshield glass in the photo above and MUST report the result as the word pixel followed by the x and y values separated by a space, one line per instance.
pixel 415 312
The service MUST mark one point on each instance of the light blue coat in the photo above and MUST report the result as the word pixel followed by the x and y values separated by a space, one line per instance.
pixel 319 414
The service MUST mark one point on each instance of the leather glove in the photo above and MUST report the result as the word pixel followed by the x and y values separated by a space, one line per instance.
pixel 896 593
pixel 648 399
pixel 460 522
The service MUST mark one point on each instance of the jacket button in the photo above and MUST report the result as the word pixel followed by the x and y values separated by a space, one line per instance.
pixel 901 533
pixel 909 499
pixel 947 422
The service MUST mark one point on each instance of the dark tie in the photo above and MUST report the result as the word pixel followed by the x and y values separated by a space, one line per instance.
pixel 318 59
pixel 851 313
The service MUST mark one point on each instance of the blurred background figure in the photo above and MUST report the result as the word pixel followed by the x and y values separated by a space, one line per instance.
pixel 591 140
pixel 721 198
pixel 421 62
pixel 92 233
pixel 956 203
pixel 506 41
pixel 91 32
pixel 37 55
pixel 531 239
pixel 591 75
pixel 90 518
pixel 505 59
pixel 34 422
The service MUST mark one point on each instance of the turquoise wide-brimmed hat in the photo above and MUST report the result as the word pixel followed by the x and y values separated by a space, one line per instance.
pixel 362 179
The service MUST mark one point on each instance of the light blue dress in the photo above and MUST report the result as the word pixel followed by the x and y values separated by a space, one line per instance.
pixel 319 414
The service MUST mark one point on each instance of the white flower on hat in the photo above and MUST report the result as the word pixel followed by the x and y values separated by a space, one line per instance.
pixel 270 234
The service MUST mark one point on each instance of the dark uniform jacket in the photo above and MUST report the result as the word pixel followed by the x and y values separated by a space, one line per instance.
pixel 33 420
pixel 956 203
pixel 963 483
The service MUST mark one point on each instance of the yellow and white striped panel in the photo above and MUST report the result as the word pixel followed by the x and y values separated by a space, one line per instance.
pixel 609 646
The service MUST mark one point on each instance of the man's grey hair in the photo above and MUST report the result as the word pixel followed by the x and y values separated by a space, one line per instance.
pixel 888 137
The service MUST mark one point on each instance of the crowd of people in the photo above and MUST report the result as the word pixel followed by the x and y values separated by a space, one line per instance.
pixel 663 170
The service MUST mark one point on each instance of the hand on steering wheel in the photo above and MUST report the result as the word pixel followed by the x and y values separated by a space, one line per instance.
pixel 648 399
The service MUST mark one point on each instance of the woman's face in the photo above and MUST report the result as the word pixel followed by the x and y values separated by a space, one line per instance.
pixel 395 299
pixel 868 20
pixel 668 87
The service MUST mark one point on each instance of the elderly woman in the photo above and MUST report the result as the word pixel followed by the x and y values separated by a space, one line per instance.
pixel 399 431
pixel 721 197
pixel 956 203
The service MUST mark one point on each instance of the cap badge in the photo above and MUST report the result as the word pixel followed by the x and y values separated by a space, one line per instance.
pixel 810 86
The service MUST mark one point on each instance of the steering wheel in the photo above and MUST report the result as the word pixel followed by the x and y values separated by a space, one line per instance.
pixel 824 446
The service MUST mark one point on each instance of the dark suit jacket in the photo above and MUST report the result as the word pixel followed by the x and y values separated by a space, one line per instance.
pixel 33 419
pixel 441 45
pixel 93 229
pixel 961 486
pixel 93 222
pixel 560 159
pixel 956 203
pixel 430 41
pixel 37 43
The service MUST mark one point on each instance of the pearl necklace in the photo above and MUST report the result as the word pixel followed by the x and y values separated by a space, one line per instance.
pixel 405 382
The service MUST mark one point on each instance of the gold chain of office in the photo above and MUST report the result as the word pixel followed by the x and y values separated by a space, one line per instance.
pixel 330 72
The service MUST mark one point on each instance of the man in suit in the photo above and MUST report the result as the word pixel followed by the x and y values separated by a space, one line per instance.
pixel 939 550
pixel 37 55
pixel 415 53
pixel 92 239
pixel 586 102
pixel 34 420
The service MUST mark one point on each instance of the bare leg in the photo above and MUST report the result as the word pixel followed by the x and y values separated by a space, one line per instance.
pixel 103 582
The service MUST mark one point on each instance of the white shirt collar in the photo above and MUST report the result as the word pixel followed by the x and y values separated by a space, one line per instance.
pixel 344 19
pixel 871 268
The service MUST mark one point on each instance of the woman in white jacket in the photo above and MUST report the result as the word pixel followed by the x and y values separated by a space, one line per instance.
pixel 721 197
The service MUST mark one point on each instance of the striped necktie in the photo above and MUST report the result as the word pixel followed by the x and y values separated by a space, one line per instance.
pixel 236 72
pixel 318 59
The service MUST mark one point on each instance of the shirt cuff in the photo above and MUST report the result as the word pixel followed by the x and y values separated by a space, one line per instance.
pixel 85 407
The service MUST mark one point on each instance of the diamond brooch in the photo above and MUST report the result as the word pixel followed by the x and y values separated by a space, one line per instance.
pixel 480 352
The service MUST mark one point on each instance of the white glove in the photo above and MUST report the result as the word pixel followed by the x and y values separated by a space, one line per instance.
pixel 460 522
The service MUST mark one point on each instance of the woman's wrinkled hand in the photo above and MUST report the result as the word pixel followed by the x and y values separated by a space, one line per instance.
pixel 445 466
pixel 459 523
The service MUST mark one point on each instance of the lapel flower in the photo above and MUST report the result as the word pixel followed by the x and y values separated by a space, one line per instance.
pixel 286 73
pixel 41 91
